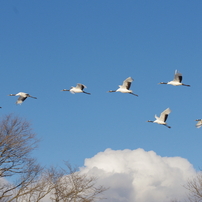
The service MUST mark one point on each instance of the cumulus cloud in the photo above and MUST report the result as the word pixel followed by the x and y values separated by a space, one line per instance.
pixel 139 176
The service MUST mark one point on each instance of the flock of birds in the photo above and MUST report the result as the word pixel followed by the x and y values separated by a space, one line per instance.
pixel 124 88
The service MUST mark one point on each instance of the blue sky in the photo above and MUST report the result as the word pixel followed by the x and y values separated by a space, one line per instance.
pixel 47 46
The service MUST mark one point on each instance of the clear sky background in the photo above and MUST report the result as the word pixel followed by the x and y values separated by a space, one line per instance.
pixel 47 46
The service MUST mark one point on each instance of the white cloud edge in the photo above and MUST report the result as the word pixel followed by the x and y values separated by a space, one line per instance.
pixel 139 175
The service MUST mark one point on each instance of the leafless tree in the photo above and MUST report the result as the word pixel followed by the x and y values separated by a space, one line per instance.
pixel 17 141
pixel 194 186
pixel 72 186
pixel 37 188
pixel 22 179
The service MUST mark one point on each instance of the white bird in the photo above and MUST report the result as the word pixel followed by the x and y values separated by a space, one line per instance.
pixel 199 123
pixel 22 97
pixel 177 81
pixel 125 87
pixel 162 119
pixel 78 89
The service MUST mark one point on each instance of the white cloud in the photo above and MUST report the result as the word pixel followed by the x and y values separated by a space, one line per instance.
pixel 139 176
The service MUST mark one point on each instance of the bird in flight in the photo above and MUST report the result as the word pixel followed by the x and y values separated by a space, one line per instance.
pixel 125 87
pixel 22 97
pixel 199 123
pixel 163 117
pixel 78 89
pixel 177 81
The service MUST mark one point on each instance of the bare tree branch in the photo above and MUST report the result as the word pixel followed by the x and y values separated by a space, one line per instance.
pixel 22 179
pixel 17 141
pixel 72 186
pixel 194 186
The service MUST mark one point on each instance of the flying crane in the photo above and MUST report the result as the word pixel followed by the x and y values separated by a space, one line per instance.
pixel 78 89
pixel 199 123
pixel 22 97
pixel 125 87
pixel 163 117
pixel 177 81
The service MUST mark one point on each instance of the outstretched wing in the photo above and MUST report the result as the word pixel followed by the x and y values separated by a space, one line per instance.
pixel 164 114
pixel 178 76
pixel 199 124
pixel 21 99
pixel 127 82
pixel 80 86
pixel 165 118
